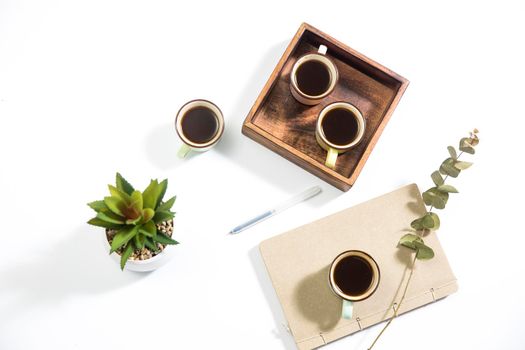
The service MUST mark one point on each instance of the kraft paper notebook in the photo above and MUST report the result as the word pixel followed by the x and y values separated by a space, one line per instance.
pixel 298 262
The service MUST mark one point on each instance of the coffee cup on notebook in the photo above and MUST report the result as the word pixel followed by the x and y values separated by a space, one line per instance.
pixel 313 77
pixel 340 127
pixel 354 276
pixel 199 124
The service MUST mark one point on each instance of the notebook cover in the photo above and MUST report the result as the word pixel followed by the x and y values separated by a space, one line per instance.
pixel 298 262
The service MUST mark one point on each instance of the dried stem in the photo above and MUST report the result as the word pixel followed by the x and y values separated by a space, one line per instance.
pixel 396 310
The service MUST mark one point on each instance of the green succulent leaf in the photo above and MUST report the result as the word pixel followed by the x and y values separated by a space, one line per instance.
pixel 165 206
pixel 437 178
pixel 147 214
pixel 100 223
pixel 98 206
pixel 110 218
pixel 163 186
pixel 150 194
pixel 123 185
pixel 139 240
pixel 148 242
pixel 115 205
pixel 409 241
pixel 423 252
pixel 466 146
pixel 163 239
pixel 435 198
pixel 447 188
pixel 123 236
pixel 125 255
pixel 136 201
pixel 462 165
pixel 116 193
pixel 134 221
pixel 161 216
pixel 154 193
pixel 149 229
pixel 452 152
pixel 448 168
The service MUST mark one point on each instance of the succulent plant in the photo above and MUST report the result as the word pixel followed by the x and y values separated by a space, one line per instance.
pixel 134 216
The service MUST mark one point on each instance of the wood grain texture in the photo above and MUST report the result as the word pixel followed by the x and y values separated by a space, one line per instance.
pixel 287 127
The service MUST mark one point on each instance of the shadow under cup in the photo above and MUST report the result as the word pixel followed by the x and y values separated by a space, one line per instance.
pixel 354 276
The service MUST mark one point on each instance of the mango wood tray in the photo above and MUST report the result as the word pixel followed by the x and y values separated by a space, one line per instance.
pixel 287 127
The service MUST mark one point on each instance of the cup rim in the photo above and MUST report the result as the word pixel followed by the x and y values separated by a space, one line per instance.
pixel 199 103
pixel 360 121
pixel 332 69
pixel 373 286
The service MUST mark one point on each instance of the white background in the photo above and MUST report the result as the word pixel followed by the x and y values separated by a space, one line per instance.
pixel 91 88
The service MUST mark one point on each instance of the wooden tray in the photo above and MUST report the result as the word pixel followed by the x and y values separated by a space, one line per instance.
pixel 287 127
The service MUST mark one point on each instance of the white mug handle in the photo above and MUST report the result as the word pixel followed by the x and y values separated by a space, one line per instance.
pixel 348 308
pixel 322 50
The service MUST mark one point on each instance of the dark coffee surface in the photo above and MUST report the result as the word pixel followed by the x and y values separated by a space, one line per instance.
pixel 353 275
pixel 340 126
pixel 199 124
pixel 313 78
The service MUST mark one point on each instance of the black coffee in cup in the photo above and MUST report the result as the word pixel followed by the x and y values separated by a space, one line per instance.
pixel 340 126
pixel 313 78
pixel 353 275
pixel 199 124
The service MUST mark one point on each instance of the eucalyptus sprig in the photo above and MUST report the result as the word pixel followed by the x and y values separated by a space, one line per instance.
pixel 435 197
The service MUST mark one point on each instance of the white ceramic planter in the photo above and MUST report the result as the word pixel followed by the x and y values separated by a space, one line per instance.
pixel 141 265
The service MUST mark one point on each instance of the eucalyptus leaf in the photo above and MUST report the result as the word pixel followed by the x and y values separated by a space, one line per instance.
pixel 437 178
pixel 462 165
pixel 430 221
pixel 427 222
pixel 417 224
pixel 123 236
pixel 423 252
pixel 452 152
pixel 125 255
pixel 435 198
pixel 466 146
pixel 474 140
pixel 409 240
pixel 448 188
pixel 123 185
pixel 448 168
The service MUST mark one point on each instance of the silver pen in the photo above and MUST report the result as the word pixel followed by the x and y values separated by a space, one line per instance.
pixel 309 193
